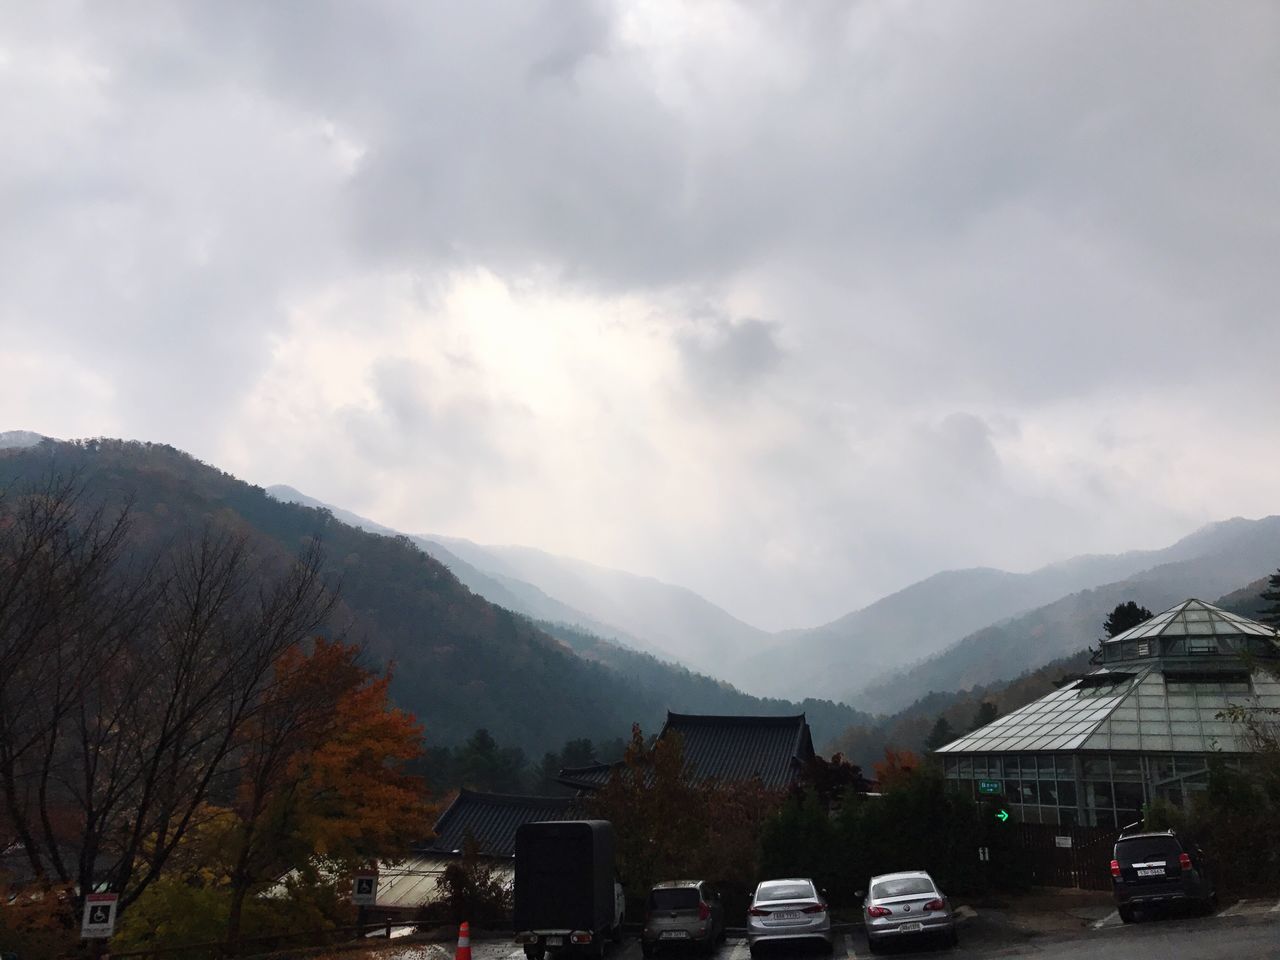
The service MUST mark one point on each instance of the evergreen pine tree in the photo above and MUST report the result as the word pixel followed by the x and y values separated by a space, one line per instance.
pixel 1271 614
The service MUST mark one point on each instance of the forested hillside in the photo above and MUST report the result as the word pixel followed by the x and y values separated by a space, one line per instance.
pixel 1003 651
pixel 959 710
pixel 459 662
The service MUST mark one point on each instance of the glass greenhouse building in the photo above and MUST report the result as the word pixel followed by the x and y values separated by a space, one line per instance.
pixel 1139 728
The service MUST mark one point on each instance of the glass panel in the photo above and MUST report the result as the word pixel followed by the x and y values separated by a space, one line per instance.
pixel 994 767
pixel 1068 816
pixel 966 768
pixel 1049 792
pixel 1129 796
pixel 1126 768
pixel 1028 765
pixel 1097 795
pixel 1011 766
pixel 1104 818
pixel 1030 791
pixel 1096 768
pixel 1064 767
pixel 1066 793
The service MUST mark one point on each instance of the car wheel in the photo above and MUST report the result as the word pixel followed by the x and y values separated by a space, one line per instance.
pixel 1126 914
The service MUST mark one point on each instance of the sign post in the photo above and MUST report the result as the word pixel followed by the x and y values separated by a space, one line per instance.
pixel 364 894
pixel 99 920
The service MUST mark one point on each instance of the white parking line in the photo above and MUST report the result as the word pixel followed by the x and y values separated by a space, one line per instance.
pixel 738 950
pixel 1276 908
pixel 1249 908
pixel 1110 920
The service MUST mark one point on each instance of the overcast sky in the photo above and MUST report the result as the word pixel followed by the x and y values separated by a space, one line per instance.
pixel 791 303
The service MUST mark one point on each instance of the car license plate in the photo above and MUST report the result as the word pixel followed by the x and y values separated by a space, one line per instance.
pixel 1155 872
pixel 674 935
pixel 788 915
pixel 910 927
pixel 555 941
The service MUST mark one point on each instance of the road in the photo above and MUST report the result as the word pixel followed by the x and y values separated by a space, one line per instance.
pixel 1246 934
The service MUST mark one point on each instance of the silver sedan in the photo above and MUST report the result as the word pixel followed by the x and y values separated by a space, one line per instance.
pixel 908 904
pixel 788 910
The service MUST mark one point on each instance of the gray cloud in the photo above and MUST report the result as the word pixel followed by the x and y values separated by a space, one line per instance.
pixel 1007 255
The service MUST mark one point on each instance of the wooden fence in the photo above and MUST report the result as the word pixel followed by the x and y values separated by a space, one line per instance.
pixel 1055 856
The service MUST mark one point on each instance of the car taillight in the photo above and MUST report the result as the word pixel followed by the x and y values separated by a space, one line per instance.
pixel 878 911
pixel 580 936
pixel 1115 868
pixel 934 905
pixel 757 912
pixel 1184 860
pixel 816 908
pixel 704 910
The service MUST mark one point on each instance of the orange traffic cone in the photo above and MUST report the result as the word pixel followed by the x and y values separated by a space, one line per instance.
pixel 464 942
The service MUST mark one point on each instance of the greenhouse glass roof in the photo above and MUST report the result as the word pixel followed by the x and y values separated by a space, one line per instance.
pixel 1165 704
pixel 1195 618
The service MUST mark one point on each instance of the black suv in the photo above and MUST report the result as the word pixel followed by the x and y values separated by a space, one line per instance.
pixel 1157 869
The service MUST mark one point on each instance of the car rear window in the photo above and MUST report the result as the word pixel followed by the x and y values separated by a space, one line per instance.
pixel 1147 849
pixel 674 898
pixel 783 891
pixel 901 887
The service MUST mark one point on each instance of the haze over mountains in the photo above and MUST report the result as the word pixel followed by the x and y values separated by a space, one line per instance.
pixel 460 662
pixel 671 648
pixel 954 630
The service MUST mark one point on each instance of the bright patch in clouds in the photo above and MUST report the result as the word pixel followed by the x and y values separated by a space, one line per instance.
pixel 792 304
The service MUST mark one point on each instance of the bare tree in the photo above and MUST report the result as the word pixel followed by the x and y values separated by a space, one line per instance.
pixel 123 684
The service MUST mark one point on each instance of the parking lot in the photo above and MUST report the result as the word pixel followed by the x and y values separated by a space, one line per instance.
pixel 1242 930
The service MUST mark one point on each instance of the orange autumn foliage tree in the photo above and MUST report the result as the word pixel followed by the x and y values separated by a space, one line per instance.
pixel 896 768
pixel 323 774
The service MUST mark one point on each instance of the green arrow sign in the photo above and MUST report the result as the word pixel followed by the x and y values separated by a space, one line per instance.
pixel 1002 815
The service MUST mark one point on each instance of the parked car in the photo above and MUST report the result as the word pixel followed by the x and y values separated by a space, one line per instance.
pixel 908 904
pixel 792 909
pixel 1157 869
pixel 681 913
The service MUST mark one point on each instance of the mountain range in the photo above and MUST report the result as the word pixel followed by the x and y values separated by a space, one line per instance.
pixel 954 630
pixel 637 646
pixel 458 661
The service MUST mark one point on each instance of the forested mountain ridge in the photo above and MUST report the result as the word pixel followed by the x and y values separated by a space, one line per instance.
pixel 459 661
pixel 927 618
pixel 909 728
pixel 674 621
pixel 1239 553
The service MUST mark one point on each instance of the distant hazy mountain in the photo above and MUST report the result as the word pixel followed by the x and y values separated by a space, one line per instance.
pixel 674 620
pixel 461 662
pixel 864 648
pixel 1219 558
pixel 509 592
pixel 10 439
